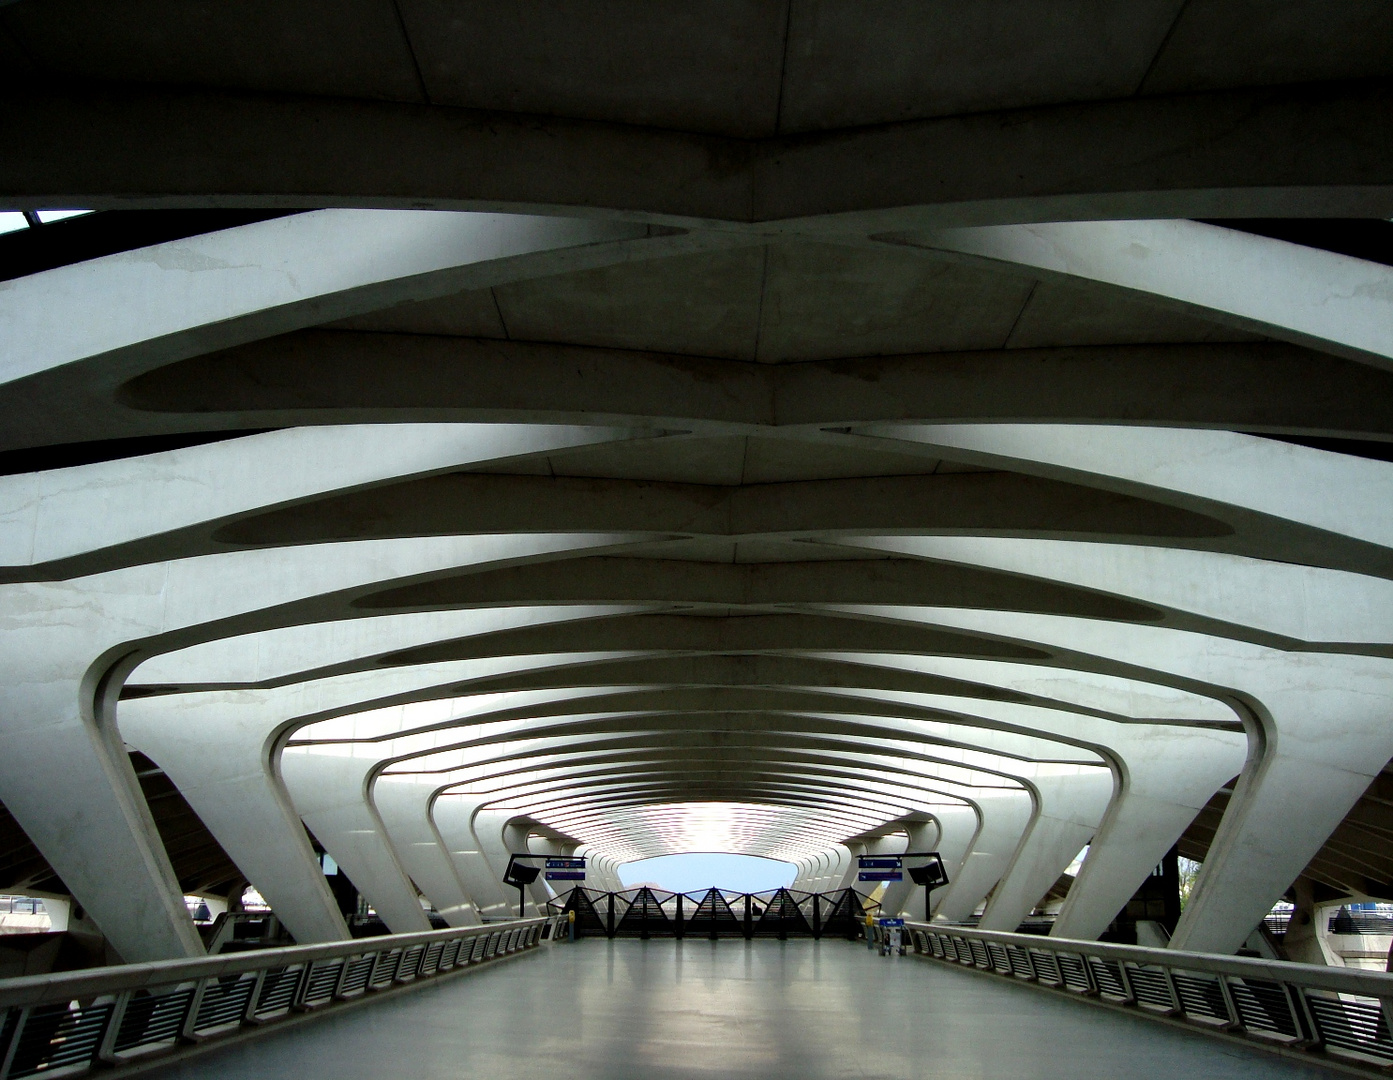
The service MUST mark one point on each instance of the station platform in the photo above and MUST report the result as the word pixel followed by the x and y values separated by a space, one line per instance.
pixel 696 1008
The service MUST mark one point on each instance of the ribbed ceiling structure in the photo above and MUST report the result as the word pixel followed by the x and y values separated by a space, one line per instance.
pixel 468 429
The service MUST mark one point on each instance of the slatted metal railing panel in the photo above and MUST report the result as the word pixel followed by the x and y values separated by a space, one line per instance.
pixel 111 1018
pixel 355 979
pixel 323 979
pixel 1350 1026
pixel 1046 966
pixel 430 960
pixel 1074 971
pixel 278 990
pixel 386 971
pixel 153 1020
pixel 1020 962
pixel 1151 987
pixel 410 963
pixel 1264 1008
pixel 1340 1012
pixel 1202 998
pixel 224 1002
pixel 57 1038
pixel 1109 978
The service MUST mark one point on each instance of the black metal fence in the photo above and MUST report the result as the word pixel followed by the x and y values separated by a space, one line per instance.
pixel 717 913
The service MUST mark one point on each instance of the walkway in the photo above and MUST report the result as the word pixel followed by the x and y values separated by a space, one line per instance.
pixel 663 1009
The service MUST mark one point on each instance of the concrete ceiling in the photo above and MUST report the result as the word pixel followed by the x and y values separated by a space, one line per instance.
pixel 634 401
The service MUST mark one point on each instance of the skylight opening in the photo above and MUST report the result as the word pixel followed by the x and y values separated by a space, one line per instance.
pixel 15 220
pixel 47 217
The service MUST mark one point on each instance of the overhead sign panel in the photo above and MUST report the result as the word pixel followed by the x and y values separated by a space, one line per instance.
pixel 880 875
pixel 879 862
pixel 565 864
pixel 565 875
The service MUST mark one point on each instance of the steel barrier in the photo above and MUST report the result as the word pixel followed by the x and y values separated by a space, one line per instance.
pixel 1322 1012
pixel 121 1018
pixel 648 912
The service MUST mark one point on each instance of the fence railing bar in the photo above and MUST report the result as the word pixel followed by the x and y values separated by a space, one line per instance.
pixel 1343 1016
pixel 200 1001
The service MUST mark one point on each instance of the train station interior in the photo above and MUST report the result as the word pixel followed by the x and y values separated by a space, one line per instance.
pixel 935 457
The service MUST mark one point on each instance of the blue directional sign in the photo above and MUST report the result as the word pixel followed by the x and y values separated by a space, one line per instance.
pixel 883 862
pixel 880 875
pixel 565 875
pixel 891 922
pixel 565 864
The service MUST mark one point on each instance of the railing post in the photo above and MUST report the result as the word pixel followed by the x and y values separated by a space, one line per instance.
pixel 372 971
pixel 749 918
pixel 1315 1039
pixel 343 977
pixel 817 916
pixel 1231 1006
pixel 7 1053
pixel 610 931
pixel 106 1049
pixel 302 986
pixel 678 927
pixel 191 1016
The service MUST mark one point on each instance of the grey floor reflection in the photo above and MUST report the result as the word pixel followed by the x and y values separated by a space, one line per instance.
pixel 664 1009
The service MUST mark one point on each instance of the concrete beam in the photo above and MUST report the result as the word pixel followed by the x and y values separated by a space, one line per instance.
pixel 1225 153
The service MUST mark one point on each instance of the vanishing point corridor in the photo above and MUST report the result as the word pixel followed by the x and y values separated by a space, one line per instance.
pixel 663 1009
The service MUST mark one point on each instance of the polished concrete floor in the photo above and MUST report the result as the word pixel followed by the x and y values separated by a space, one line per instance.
pixel 664 1009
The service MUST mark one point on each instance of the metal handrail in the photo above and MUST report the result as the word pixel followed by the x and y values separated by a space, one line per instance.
pixel 1343 1012
pixel 113 1017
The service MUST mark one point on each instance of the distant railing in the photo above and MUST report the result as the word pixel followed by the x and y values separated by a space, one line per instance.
pixel 1367 923
pixel 118 1016
pixel 1296 1007
pixel 647 912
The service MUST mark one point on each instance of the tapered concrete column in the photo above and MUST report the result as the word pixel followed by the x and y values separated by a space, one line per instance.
pixel 454 819
pixel 600 869
pixel 330 792
pixel 609 867
pixel 855 850
pixel 59 679
pixel 60 666
pixel 1070 810
pixel 922 836
pixel 1165 782
pixel 495 841
pixel 1297 700
pixel 957 830
pixel 809 869
pixel 1005 816
pixel 403 803
pixel 1167 773
pixel 515 840
pixel 67 780
pixel 817 870
pixel 222 748
pixel 841 860
pixel 221 759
